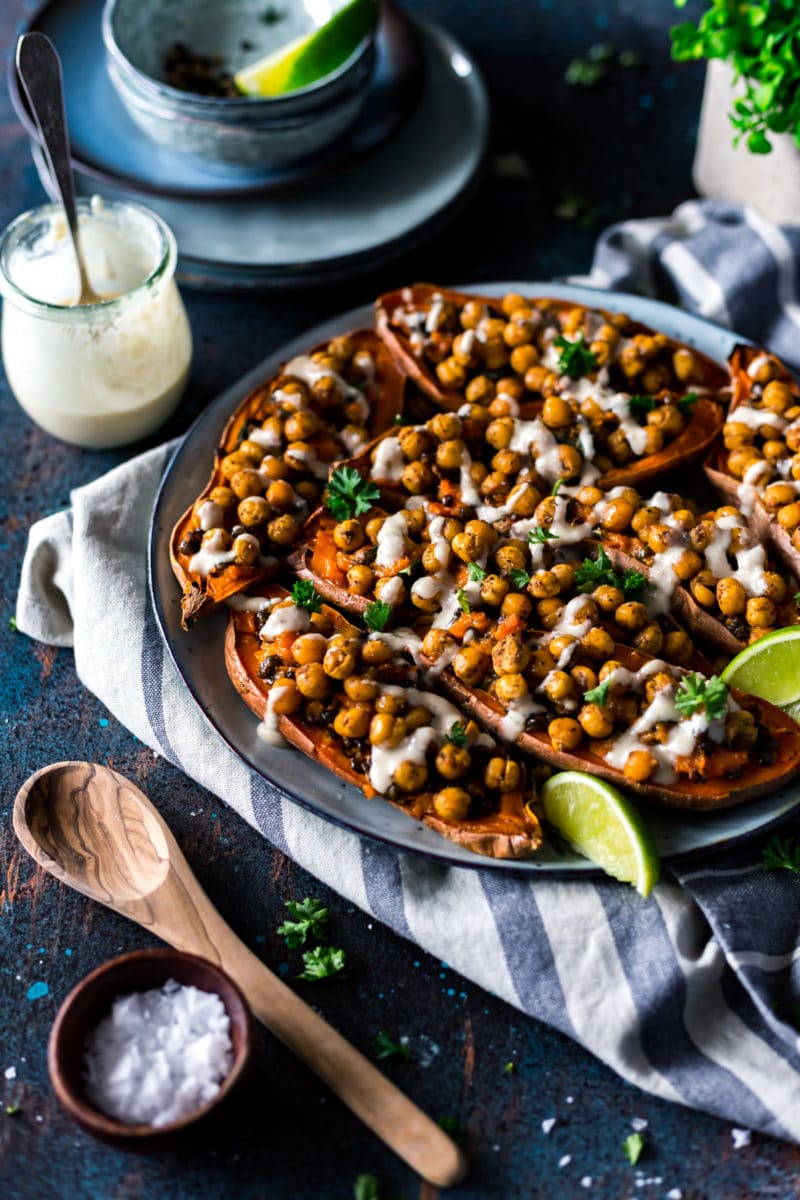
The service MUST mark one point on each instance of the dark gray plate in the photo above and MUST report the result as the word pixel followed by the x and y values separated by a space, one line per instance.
pixel 198 656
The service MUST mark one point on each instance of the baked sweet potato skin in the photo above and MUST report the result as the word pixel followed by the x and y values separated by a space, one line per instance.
pixel 201 596
pixel 708 794
pixel 511 832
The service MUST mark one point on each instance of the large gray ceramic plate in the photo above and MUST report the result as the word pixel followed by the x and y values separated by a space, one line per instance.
pixel 198 656
pixel 352 219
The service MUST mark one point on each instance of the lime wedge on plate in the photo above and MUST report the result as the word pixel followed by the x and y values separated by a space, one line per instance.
pixel 601 824
pixel 770 668
pixel 311 57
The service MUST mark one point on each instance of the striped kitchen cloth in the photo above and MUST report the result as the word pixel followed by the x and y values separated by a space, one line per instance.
pixel 687 994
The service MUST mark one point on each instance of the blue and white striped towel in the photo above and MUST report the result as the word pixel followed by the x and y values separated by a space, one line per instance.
pixel 685 994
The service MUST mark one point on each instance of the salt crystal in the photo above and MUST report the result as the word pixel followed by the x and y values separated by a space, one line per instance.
pixel 741 1138
pixel 565 1160
pixel 639 1124
pixel 159 1055
pixel 587 1181
pixel 675 1194
pixel 548 1124
pixel 10 1072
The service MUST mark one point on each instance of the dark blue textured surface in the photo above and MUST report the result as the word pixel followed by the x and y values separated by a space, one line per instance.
pixel 626 146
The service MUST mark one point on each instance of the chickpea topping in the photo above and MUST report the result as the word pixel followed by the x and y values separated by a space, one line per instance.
pixel 246 550
pixel 375 651
pixel 511 687
pixel 284 530
pixel 285 697
pixel 311 681
pixel 596 722
pixel 502 774
pixel 348 535
pixel 453 761
pixel 640 766
pixel 353 722
pixel 411 776
pixel 451 804
pixel 360 579
pixel 565 733
pixel 760 612
pixel 509 656
pixel 471 664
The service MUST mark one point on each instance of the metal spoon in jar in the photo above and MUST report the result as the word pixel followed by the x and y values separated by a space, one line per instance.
pixel 39 70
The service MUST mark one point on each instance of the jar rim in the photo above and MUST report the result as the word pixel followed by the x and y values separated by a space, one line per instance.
pixel 12 292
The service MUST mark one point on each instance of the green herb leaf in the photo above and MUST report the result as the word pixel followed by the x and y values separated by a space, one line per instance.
pixel 781 854
pixel 633 1146
pixel 519 577
pixel 593 573
pixel 640 406
pixel 306 596
pixel 539 535
pixel 399 419
pixel 12 624
pixel 696 692
pixel 634 582
pixel 366 1187
pixel 13 1110
pixel 686 403
pixel 349 494
pixel 461 596
pixel 387 1047
pixel 454 1129
pixel 376 615
pixel 629 59
pixel 575 359
pixel 796 600
pixel 475 572
pixel 556 487
pixel 244 433
pixel 509 1068
pixel 309 919
pixel 584 72
pixel 457 734
pixel 599 694
pixel 323 962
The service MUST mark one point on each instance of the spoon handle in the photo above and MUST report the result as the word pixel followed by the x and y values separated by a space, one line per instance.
pixel 39 70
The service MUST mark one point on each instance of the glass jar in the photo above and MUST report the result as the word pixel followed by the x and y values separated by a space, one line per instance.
pixel 104 374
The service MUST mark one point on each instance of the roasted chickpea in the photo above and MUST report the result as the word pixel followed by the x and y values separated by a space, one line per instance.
pixel 676 647
pixel 225 497
pixel 388 702
pixel 607 598
pixel 523 358
pixel 596 722
pixel 353 722
pixel 565 733
pixel 391 590
pixel 274 468
pixel 550 612
pixel 544 584
pixel 445 426
pixel 283 530
pixel 510 688
pixel 453 761
pixel 312 681
pixel 516 604
pixel 417 478
pixel 494 590
pixel 309 648
pixel 360 579
pixel 509 656
pixel 502 774
pixel 777 396
pixel 570 460
pixel 340 661
pixel 435 643
pixel 450 454
pixel 540 665
pixel 410 776
pixel 348 535
pixel 598 644
pixel 640 766
pixel 247 483
pixel 559 687
pixel 480 390
pixel 789 516
pixel 380 728
pixel 253 511
pixel 510 557
pixel 704 588
pixel 361 689
pixel 684 364
pixel 301 426
pixel 741 731
pixel 233 463
pixel 246 549
pixel 557 412
pixel 285 698
pixel 507 462
pixel 632 615
pixel 585 678
pixel 471 664
pixel 414 442
pixel 565 574
pixel 375 651
pixel 731 597
pixel 775 587
pixel 617 514
pixel 760 612
pixel 649 639
pixel 451 804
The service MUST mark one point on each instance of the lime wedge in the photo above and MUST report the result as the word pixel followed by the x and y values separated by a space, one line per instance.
pixel 601 824
pixel 312 56
pixel 769 668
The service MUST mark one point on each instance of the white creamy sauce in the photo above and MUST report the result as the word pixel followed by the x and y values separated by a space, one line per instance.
pixel 268 729
pixel 569 622
pixel 210 515
pixel 755 478
pixel 393 591
pixel 751 561
pixel 391 544
pixel 387 460
pixel 285 618
pixel 754 418
pixel 492 513
pixel 663 579
pixel 516 716
pixel 450 606
pixel 469 492
pixel 308 461
pixel 268 439
pixel 440 544
pixel 304 368
pixel 758 362
pixel 214 552
pixel 399 640
pixel 427 588
pixel 353 437
pixel 255 604
pixel 434 317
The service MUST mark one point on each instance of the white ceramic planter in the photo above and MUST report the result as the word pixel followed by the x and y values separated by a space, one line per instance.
pixel 769 183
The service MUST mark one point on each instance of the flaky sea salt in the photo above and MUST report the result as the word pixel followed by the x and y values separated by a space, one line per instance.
pixel 159 1055
pixel 741 1138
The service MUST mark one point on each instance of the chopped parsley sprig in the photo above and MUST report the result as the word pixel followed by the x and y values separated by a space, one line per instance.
pixel 476 572
pixel 457 734
pixel 519 577
pixel 539 535
pixel 376 615
pixel 387 1047
pixel 309 918
pixel 463 601
pixel 306 596
pixel 599 572
pixel 696 692
pixel 349 494
pixel 781 854
pixel 599 694
pixel 323 962
pixel 633 1146
pixel 575 359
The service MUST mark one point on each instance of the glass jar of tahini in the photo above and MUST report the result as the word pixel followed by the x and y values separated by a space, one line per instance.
pixel 104 374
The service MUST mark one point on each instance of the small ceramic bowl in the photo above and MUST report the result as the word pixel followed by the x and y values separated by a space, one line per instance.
pixel 90 1001
pixel 247 130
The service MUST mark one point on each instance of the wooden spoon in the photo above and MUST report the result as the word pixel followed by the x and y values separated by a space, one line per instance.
pixel 95 831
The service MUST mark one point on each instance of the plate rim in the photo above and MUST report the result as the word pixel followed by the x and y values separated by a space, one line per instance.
pixel 417 29
pixel 217 412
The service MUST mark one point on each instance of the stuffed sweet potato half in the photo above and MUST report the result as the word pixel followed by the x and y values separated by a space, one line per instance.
pixel 756 464
pixel 634 403
pixel 272 463
pixel 348 700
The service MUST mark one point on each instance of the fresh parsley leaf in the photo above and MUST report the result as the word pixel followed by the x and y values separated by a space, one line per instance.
pixel 519 577
pixel 399 419
pixel 584 72
pixel 629 59
pixel 12 624
pixel 634 582
pixel 539 535
pixel 592 573
pixel 309 918
pixel 640 406
pixel 461 596
pixel 13 1110
pixel 387 1047
pixel 796 600
pixel 349 494
pixel 376 615
pixel 366 1187
pixel 781 854
pixel 686 403
pixel 457 734
pixel 575 359
pixel 633 1146
pixel 476 572
pixel 244 433
pixel 696 692
pixel 306 596
pixel 599 694
pixel 509 1068
pixel 556 487
pixel 454 1129
pixel 323 962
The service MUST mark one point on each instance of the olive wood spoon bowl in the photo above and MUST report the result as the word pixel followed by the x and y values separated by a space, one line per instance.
pixel 98 833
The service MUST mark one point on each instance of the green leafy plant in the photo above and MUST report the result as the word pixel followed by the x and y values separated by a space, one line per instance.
pixel 575 358
pixel 349 494
pixel 306 596
pixel 323 962
pixel 781 854
pixel 458 734
pixel 376 615
pixel 308 918
pixel 633 1146
pixel 476 572
pixel 387 1047
pixel 539 535
pixel 760 41
pixel 695 692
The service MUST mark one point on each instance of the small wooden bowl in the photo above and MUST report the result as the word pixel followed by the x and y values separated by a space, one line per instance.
pixel 91 1000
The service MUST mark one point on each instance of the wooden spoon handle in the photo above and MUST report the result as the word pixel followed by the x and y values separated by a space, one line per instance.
pixel 360 1085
